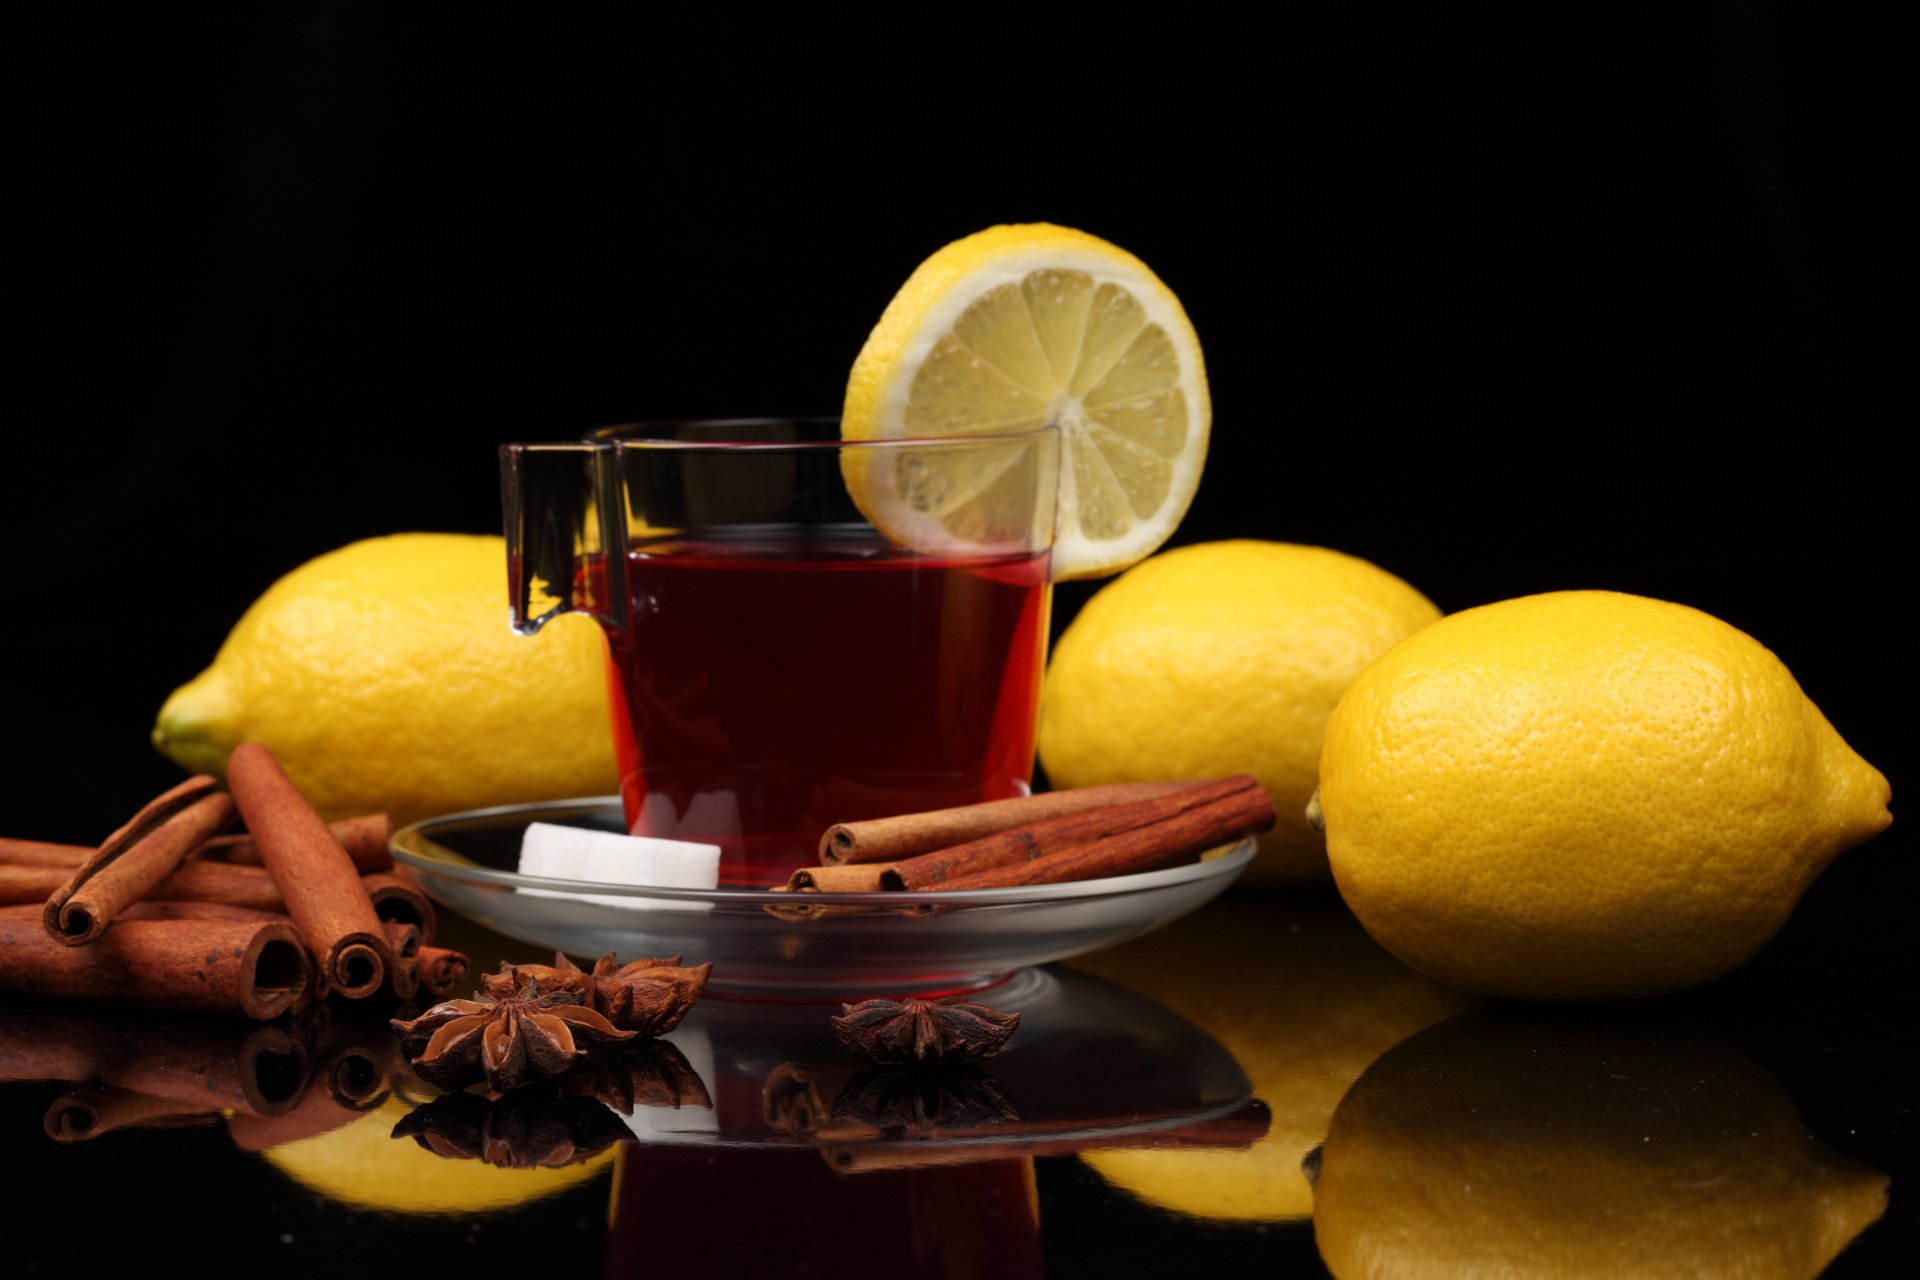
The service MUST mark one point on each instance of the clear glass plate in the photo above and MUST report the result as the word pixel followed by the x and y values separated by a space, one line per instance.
pixel 975 938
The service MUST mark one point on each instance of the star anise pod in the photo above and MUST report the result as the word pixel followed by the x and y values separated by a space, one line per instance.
pixel 509 1041
pixel 525 1131
pixel 645 996
pixel 914 1032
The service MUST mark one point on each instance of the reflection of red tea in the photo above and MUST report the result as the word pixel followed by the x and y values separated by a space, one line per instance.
pixel 677 1211
pixel 767 688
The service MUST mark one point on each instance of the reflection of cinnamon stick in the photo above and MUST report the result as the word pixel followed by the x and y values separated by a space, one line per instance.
pixel 888 839
pixel 136 858
pixel 93 1109
pixel 323 892
pixel 232 968
pixel 196 1063
pixel 364 838
pixel 317 1112
pixel 1120 840
pixel 1236 1130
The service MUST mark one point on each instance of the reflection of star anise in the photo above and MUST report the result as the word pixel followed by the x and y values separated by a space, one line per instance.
pixel 924 1103
pixel 922 1032
pixel 647 1073
pixel 647 996
pixel 510 1041
pixel 527 1130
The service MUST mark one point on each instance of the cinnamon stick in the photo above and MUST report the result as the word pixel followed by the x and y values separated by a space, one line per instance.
pixel 904 836
pixel 1245 801
pixel 323 892
pixel 365 838
pixel 398 896
pixel 403 944
pixel 135 858
pixel 193 880
pixel 441 968
pixel 40 853
pixel 1178 835
pixel 234 968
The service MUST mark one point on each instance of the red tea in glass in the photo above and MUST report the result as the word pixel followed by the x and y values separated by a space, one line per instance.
pixel 777 663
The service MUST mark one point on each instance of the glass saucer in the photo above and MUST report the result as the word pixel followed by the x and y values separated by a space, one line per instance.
pixel 976 938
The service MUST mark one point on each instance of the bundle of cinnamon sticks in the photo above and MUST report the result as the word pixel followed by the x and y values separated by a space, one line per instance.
pixel 168 913
pixel 1086 833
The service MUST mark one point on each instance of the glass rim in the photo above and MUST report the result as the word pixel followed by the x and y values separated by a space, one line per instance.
pixel 617 436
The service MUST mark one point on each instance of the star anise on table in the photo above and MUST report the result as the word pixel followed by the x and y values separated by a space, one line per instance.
pixel 526 1131
pixel 914 1032
pixel 513 1040
pixel 644 996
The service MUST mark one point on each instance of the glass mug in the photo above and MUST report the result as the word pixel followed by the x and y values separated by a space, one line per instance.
pixel 779 658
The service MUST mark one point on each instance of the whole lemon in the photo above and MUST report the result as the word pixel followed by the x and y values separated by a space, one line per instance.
pixel 1584 795
pixel 386 678
pixel 1505 1145
pixel 1225 657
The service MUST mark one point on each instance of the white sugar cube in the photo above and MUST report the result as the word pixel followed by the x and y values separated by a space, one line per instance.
pixel 601 857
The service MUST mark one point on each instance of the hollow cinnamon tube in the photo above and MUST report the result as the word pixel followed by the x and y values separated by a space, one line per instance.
pixel 233 968
pixel 136 858
pixel 440 969
pixel 945 867
pixel 861 877
pixel 909 834
pixel 364 838
pixel 398 897
pixel 323 892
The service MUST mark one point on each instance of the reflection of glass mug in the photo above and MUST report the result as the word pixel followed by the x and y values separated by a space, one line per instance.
pixel 779 661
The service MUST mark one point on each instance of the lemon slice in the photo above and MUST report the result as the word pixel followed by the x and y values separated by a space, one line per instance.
pixel 1017 327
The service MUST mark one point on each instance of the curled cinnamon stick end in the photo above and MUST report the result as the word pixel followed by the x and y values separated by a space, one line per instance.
pixel 909 834
pixel 322 889
pixel 365 838
pixel 441 969
pixel 398 898
pixel 232 968
pixel 136 858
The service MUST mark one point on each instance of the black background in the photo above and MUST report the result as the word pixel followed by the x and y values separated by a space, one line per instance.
pixel 1568 298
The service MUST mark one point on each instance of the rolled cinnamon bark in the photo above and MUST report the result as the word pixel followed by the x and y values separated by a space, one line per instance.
pixel 192 881
pixel 397 896
pixel 403 944
pixel 1242 795
pixel 890 839
pixel 441 968
pixel 365 838
pixel 233 968
pixel 40 853
pixel 323 892
pixel 136 858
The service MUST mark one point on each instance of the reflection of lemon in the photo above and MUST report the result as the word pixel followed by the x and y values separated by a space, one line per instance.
pixel 1222 658
pixel 385 677
pixel 1017 327
pixel 1304 1001
pixel 1496 1145
pixel 361 1164
pixel 1584 794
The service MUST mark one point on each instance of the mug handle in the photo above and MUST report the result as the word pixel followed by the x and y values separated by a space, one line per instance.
pixel 561 557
